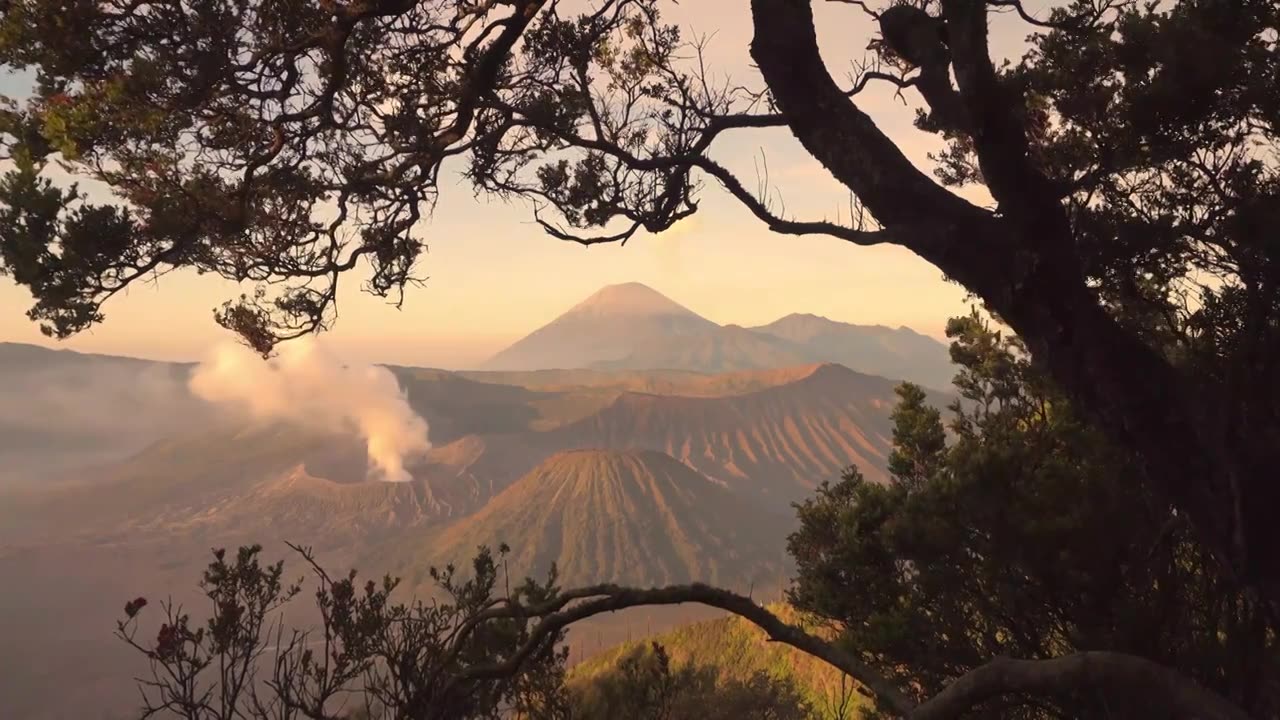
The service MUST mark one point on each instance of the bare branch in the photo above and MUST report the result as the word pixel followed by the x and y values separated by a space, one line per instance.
pixel 859 154
pixel 869 75
pixel 1076 23
pixel 861 4
pixel 899 235
pixel 757 206
pixel 610 598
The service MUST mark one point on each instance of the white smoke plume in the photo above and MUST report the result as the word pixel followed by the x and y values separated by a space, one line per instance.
pixel 307 385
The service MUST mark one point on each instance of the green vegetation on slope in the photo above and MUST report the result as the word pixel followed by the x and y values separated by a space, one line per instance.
pixel 738 650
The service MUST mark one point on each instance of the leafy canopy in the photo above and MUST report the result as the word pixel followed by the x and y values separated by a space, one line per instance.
pixel 285 143
pixel 1027 535
pixel 1130 158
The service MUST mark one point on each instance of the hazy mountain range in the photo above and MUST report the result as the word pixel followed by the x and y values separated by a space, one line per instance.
pixel 124 479
pixel 632 326
pixel 636 516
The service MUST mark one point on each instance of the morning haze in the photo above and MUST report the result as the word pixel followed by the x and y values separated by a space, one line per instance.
pixel 764 359
pixel 492 274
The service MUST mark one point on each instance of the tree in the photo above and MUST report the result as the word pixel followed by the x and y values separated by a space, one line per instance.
pixel 481 654
pixel 372 658
pixel 1026 537
pixel 369 658
pixel 1129 156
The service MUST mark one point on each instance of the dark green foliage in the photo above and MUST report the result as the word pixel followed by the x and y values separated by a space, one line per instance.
pixel 646 685
pixel 370 657
pixel 1028 535
pixel 1165 120
pixel 1130 154
pixel 475 654
pixel 1154 121
pixel 741 654
pixel 918 438
pixel 1131 157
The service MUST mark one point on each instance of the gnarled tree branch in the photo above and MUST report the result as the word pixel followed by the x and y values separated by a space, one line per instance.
pixel 1108 672
pixel 1025 265
pixel 601 599
pixel 1094 671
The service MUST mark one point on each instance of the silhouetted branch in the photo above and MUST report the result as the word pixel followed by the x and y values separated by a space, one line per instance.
pixel 1075 23
pixel 1129 675
pixel 610 598
pixel 859 3
pixel 1096 671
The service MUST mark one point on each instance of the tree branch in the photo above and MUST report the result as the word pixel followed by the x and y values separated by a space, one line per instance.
pixel 861 4
pixel 846 140
pixel 1111 672
pixel 1024 263
pixel 481 80
pixel 916 232
pixel 992 116
pixel 869 75
pixel 610 598
pixel 1073 24
pixel 899 235
pixel 1119 673
pixel 917 38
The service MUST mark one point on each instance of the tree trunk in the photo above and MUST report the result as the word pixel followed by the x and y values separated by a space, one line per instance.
pixel 1022 263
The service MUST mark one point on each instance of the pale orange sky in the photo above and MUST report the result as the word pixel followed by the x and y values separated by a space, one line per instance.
pixel 493 276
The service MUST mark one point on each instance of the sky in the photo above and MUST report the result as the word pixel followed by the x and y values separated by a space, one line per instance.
pixel 492 276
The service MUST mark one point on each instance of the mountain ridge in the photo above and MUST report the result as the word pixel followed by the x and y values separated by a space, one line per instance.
pixel 774 444
pixel 603 515
pixel 636 476
pixel 634 327
pixel 604 327
pixel 873 349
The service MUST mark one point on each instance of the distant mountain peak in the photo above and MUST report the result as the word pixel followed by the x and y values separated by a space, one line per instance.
pixel 811 320
pixel 828 369
pixel 632 326
pixel 609 325
pixel 631 298
pixel 803 316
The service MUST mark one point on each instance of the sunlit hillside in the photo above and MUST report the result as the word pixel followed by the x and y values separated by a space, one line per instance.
pixel 738 649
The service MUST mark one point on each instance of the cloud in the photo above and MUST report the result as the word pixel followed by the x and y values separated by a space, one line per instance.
pixel 309 386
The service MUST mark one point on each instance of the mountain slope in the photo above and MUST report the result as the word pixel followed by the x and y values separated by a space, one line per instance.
pixel 722 349
pixel 775 444
pixel 737 649
pixel 278 480
pixel 300 507
pixel 873 349
pixel 611 324
pixel 606 516
pixel 24 356
pixel 633 327
pixel 660 382
pixel 174 478
pixel 61 409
